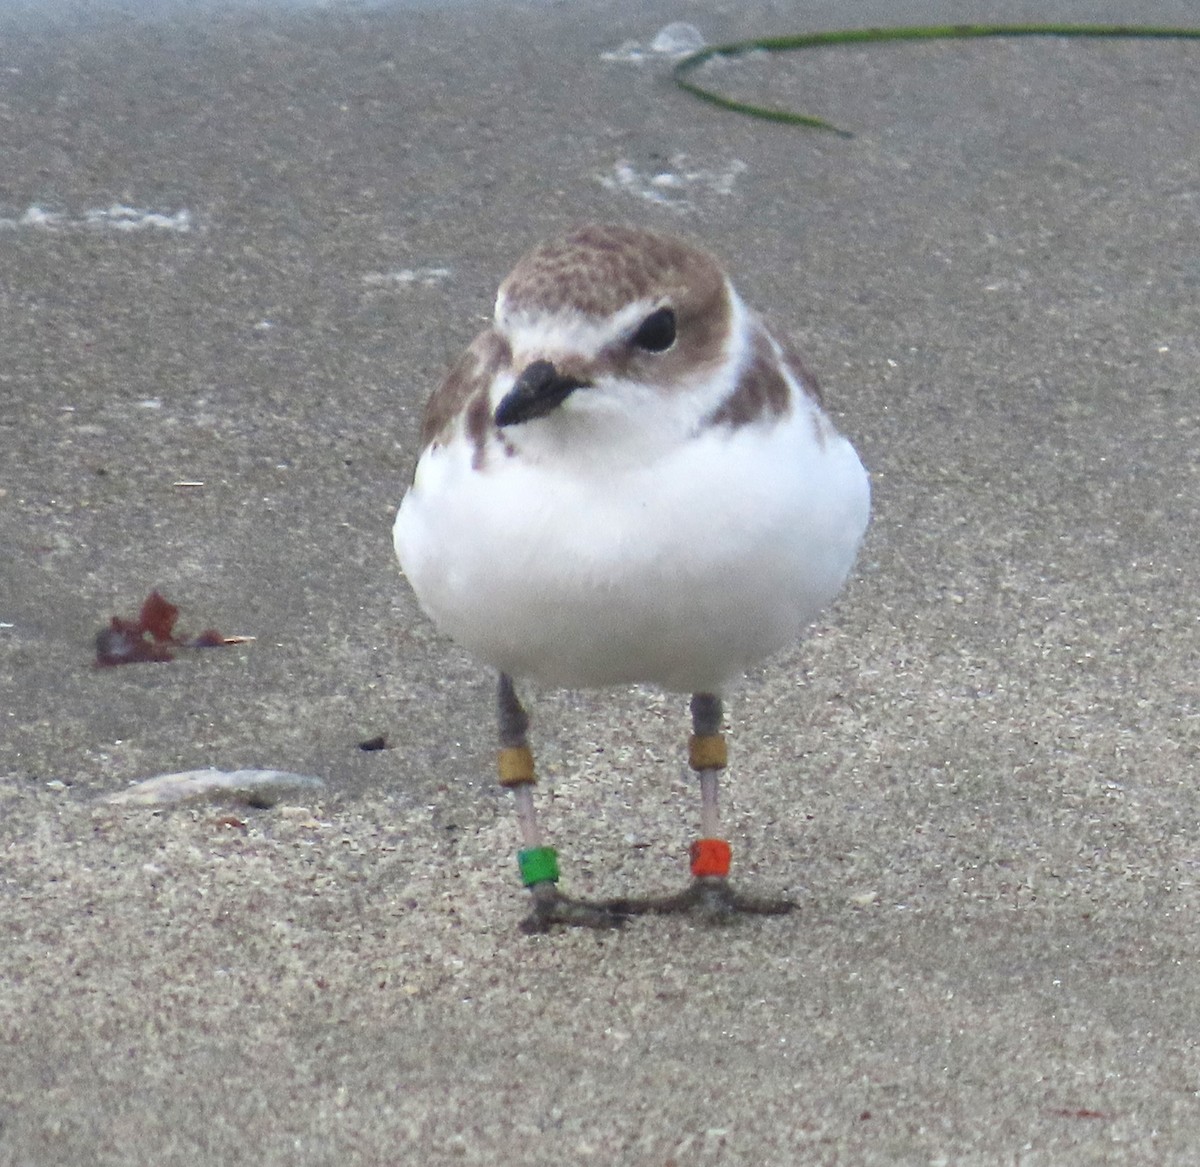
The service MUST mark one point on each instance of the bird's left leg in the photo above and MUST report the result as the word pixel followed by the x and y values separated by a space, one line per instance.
pixel 709 895
pixel 537 861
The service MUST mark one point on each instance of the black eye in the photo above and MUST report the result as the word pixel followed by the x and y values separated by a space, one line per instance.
pixel 656 333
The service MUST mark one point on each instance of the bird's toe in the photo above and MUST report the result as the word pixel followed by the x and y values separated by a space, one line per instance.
pixel 551 907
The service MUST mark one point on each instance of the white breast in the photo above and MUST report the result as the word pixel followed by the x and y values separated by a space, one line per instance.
pixel 683 571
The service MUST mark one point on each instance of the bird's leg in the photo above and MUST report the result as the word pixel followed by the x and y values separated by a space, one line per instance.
pixel 537 861
pixel 710 854
pixel 709 894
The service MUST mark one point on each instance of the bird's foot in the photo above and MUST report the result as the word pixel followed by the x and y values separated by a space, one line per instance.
pixel 551 907
pixel 708 897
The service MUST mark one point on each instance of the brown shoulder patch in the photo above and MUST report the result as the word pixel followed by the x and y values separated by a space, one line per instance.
pixel 761 391
pixel 469 377
pixel 802 373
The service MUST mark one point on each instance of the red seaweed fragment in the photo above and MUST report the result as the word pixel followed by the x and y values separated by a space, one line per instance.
pixel 151 637
pixel 158 616
pixel 124 642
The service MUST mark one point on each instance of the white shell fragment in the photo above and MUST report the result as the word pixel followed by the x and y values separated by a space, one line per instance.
pixel 261 788
pixel 673 40
pixel 677 40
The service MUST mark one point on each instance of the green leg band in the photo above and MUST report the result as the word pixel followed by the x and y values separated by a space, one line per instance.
pixel 538 865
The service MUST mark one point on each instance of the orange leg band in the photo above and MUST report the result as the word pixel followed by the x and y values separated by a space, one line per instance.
pixel 710 857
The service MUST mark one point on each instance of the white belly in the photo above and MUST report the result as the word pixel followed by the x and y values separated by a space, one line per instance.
pixel 682 573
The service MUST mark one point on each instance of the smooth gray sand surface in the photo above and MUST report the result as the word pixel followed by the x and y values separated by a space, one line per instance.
pixel 239 249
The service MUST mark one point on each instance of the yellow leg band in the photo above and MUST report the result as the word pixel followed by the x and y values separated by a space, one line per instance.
pixel 706 751
pixel 516 766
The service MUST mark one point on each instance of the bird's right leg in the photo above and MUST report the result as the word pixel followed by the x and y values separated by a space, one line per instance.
pixel 537 861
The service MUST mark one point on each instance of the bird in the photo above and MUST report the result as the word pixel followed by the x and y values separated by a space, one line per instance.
pixel 628 478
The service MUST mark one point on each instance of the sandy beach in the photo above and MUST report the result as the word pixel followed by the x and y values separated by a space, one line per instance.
pixel 239 247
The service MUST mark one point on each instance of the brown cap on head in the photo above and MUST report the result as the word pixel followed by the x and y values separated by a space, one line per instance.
pixel 598 270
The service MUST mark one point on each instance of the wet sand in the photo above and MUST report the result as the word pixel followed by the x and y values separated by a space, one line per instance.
pixel 239 249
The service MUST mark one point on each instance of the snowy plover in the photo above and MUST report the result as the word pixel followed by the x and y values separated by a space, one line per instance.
pixel 627 478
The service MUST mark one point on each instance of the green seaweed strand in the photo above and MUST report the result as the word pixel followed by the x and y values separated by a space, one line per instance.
pixel 859 36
